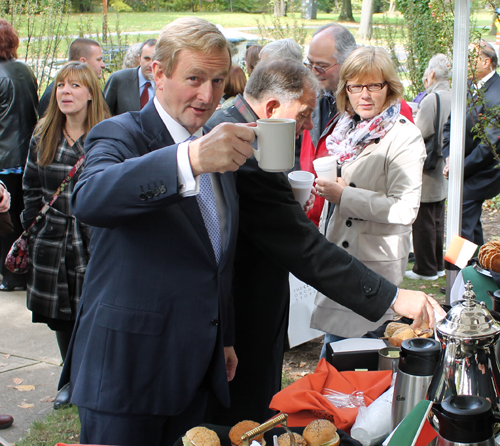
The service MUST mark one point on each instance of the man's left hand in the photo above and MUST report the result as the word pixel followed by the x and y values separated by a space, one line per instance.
pixel 231 362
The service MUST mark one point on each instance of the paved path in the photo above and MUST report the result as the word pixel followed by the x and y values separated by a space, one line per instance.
pixel 28 352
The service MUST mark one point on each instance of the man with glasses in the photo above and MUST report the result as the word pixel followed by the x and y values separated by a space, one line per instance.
pixel 481 172
pixel 329 47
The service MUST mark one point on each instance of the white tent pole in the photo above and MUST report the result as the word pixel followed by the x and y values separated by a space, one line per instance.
pixel 457 134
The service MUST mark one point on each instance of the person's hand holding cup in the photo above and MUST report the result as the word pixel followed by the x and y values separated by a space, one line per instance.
pixel 301 182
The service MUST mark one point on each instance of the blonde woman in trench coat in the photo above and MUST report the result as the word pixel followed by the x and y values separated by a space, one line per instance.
pixel 380 156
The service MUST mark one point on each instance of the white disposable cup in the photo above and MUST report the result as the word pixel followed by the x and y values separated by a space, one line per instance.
pixel 326 168
pixel 276 144
pixel 301 182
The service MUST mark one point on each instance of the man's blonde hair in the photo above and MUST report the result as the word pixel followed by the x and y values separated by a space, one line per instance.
pixel 363 62
pixel 188 33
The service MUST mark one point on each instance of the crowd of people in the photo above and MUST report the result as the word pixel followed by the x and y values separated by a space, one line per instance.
pixel 163 263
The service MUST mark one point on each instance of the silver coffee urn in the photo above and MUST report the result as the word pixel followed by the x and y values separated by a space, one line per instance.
pixel 468 364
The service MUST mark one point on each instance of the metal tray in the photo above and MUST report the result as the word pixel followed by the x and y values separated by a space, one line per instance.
pixel 482 271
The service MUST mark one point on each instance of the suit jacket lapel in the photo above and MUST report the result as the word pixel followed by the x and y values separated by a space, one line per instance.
pixel 155 129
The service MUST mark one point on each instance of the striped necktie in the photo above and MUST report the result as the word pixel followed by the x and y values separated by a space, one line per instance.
pixel 208 208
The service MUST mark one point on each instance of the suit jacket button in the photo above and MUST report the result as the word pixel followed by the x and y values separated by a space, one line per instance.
pixel 150 194
pixel 215 322
pixel 352 185
pixel 143 196
pixel 345 244
pixel 156 191
pixel 163 189
pixel 348 223
pixel 367 289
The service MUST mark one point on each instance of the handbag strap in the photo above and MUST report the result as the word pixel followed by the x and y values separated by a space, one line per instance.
pixel 58 192
pixel 437 131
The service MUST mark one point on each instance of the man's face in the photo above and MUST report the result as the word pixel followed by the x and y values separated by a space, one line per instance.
pixel 193 91
pixel 146 60
pixel 482 64
pixel 300 110
pixel 320 54
pixel 95 60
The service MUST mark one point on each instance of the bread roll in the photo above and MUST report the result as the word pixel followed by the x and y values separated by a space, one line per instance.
pixel 200 436
pixel 242 428
pixel 284 440
pixel 401 334
pixel 321 433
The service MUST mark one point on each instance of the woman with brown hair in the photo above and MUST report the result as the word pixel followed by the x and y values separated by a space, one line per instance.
pixel 235 85
pixel 18 116
pixel 59 243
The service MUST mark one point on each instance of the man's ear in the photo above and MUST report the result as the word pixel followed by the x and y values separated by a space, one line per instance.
pixel 158 74
pixel 82 59
pixel 272 106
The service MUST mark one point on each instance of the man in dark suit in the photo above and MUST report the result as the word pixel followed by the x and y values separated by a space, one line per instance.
pixel 275 237
pixel 130 89
pixel 154 334
pixel 81 50
pixel 481 172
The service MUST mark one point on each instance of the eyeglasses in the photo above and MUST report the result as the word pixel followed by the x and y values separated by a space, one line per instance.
pixel 370 87
pixel 319 69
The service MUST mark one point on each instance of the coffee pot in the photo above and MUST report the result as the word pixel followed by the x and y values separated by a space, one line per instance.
pixel 468 363
pixel 465 420
pixel 418 360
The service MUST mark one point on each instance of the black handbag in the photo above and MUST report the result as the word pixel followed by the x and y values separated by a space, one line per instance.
pixel 433 146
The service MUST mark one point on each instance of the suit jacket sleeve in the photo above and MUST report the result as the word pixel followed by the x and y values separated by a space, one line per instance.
pixel 110 94
pixel 119 170
pixel 275 221
pixel 446 139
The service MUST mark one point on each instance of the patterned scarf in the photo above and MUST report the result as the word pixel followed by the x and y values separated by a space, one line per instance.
pixel 350 137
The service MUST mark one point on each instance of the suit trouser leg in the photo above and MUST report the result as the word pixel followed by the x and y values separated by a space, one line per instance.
pixel 428 240
pixel 471 221
pixel 106 428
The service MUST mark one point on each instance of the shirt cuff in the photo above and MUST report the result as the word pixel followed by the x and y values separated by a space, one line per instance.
pixel 188 184
pixel 395 298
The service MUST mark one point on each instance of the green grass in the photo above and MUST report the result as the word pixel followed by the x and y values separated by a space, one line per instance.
pixel 60 426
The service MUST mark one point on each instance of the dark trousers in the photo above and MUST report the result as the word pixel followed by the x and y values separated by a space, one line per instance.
pixel 428 239
pixel 105 428
pixel 14 183
pixel 472 229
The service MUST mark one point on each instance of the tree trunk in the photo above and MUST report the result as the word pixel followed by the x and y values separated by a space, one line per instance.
pixel 279 8
pixel 366 23
pixel 346 12
pixel 493 28
pixel 392 7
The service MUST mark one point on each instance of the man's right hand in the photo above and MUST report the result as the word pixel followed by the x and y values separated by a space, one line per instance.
pixel 417 306
pixel 224 149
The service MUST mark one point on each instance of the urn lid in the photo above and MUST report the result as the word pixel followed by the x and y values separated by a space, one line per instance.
pixel 469 318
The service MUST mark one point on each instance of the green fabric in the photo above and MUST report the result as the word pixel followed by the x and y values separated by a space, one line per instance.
pixel 481 284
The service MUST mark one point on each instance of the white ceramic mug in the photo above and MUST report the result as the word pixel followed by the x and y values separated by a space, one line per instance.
pixel 326 168
pixel 301 182
pixel 276 144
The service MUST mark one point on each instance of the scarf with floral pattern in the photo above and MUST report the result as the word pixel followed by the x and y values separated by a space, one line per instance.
pixel 350 136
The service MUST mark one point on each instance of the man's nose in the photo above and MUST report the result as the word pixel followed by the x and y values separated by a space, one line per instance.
pixel 206 92
pixel 308 123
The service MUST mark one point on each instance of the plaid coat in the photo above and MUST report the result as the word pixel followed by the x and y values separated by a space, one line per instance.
pixel 58 243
